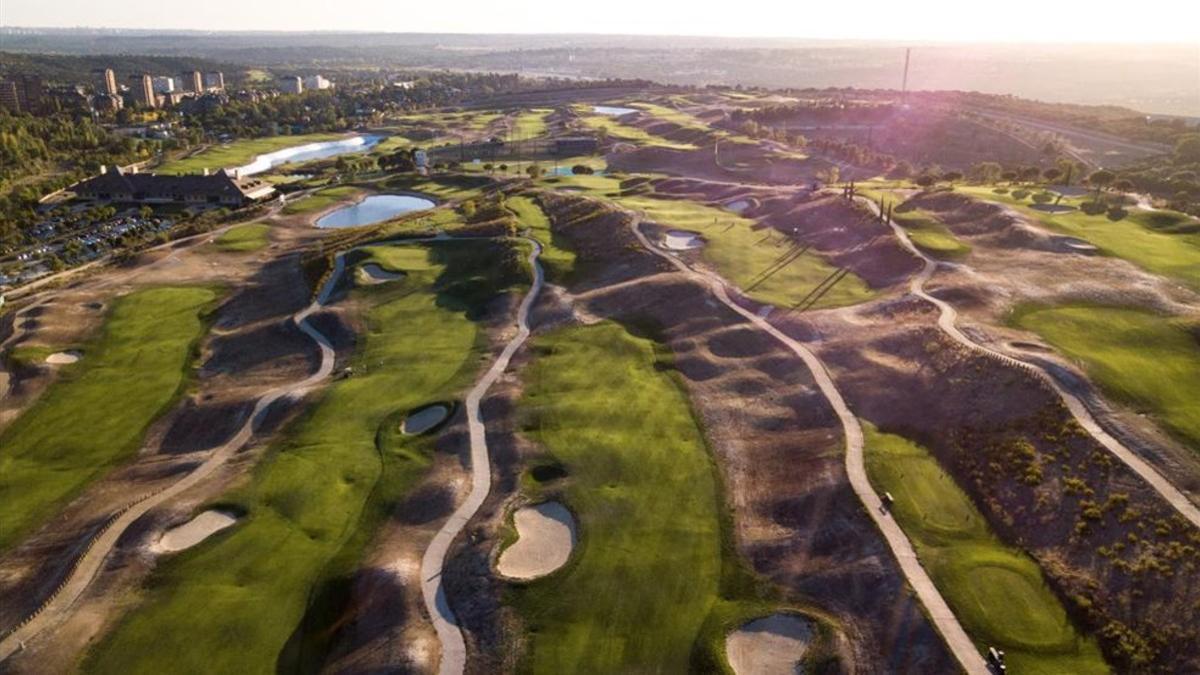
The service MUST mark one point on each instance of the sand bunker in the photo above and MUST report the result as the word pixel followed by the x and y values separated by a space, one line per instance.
pixel 768 646
pixel 372 274
pixel 425 419
pixel 1078 244
pixel 63 358
pixel 682 240
pixel 193 531
pixel 738 206
pixel 545 539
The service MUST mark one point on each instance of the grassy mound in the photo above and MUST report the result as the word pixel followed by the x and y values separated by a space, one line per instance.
pixel 93 418
pixel 243 238
pixel 996 592
pixel 278 583
pixel 556 258
pixel 1136 356
pixel 321 199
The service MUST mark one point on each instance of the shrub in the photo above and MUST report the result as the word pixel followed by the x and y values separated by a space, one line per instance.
pixel 1093 208
pixel 1000 190
pixel 1043 198
pixel 1020 193
pixel 1117 213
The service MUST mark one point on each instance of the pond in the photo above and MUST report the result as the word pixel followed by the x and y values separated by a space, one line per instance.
pixel 615 111
pixel 374 209
pixel 308 152
pixel 566 171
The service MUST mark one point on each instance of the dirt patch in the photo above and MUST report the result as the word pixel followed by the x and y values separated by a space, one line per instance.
pixel 545 538
pixel 772 645
pixel 193 531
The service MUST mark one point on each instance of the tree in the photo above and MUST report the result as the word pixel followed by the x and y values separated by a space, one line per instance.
pixel 951 176
pixel 468 209
pixel 902 170
pixel 1030 174
pixel 534 170
pixel 1052 174
pixel 1124 185
pixel 1009 176
pixel 1100 178
pixel 1187 148
pixel 145 212
pixel 582 169
pixel 986 172
pixel 926 180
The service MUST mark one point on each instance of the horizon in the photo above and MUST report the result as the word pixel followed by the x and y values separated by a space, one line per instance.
pixel 1072 23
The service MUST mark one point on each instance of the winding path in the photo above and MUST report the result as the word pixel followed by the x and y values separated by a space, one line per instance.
pixel 454 651
pixel 81 575
pixel 957 640
pixel 947 323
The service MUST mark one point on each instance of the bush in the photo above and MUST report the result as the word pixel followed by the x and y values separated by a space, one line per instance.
pixel 1116 213
pixel 1043 198
pixel 1000 190
pixel 1093 208
pixel 1020 193
pixel 582 169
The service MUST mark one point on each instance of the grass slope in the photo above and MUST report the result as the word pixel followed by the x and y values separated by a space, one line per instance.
pixel 627 132
pixel 1136 356
pixel 94 416
pixel 239 153
pixel 643 591
pixel 276 584
pixel 321 199
pixel 996 592
pixel 243 238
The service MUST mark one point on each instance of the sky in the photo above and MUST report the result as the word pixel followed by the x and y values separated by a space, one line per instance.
pixel 1173 21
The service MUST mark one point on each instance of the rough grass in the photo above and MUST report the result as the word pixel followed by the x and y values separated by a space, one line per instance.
pixel 630 133
pixel 239 153
pixel 277 583
pixel 530 123
pixel 647 572
pixel 1136 356
pixel 249 237
pixel 1172 250
pixel 93 418
pixel 997 593
pixel 321 199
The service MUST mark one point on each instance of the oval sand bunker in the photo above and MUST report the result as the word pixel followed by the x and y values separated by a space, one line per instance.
pixel 193 531
pixel 372 274
pixel 425 419
pixel 63 358
pixel 768 646
pixel 682 240
pixel 545 539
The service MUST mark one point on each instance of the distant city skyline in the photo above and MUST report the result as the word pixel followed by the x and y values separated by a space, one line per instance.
pixel 1073 21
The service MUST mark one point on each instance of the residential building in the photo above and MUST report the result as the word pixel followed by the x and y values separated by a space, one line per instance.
pixel 316 82
pixel 163 84
pixel 219 188
pixel 192 81
pixel 142 88
pixel 105 81
pixel 108 102
pixel 291 85
pixel 9 99
pixel 214 80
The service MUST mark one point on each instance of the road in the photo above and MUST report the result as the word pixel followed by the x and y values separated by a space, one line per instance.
pixel 956 638
pixel 454 651
pixel 947 322
pixel 57 607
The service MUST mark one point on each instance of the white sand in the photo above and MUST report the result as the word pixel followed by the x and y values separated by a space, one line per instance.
pixel 372 274
pixel 63 358
pixel 772 645
pixel 193 531
pixel 546 537
pixel 738 206
pixel 424 419
pixel 682 240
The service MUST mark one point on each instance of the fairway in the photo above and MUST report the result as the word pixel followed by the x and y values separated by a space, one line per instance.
pixel 558 261
pixel 239 153
pixel 1135 356
pixel 646 572
pixel 94 416
pixel 930 234
pixel 243 238
pixel 627 132
pixel 1138 238
pixel 997 593
pixel 317 498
